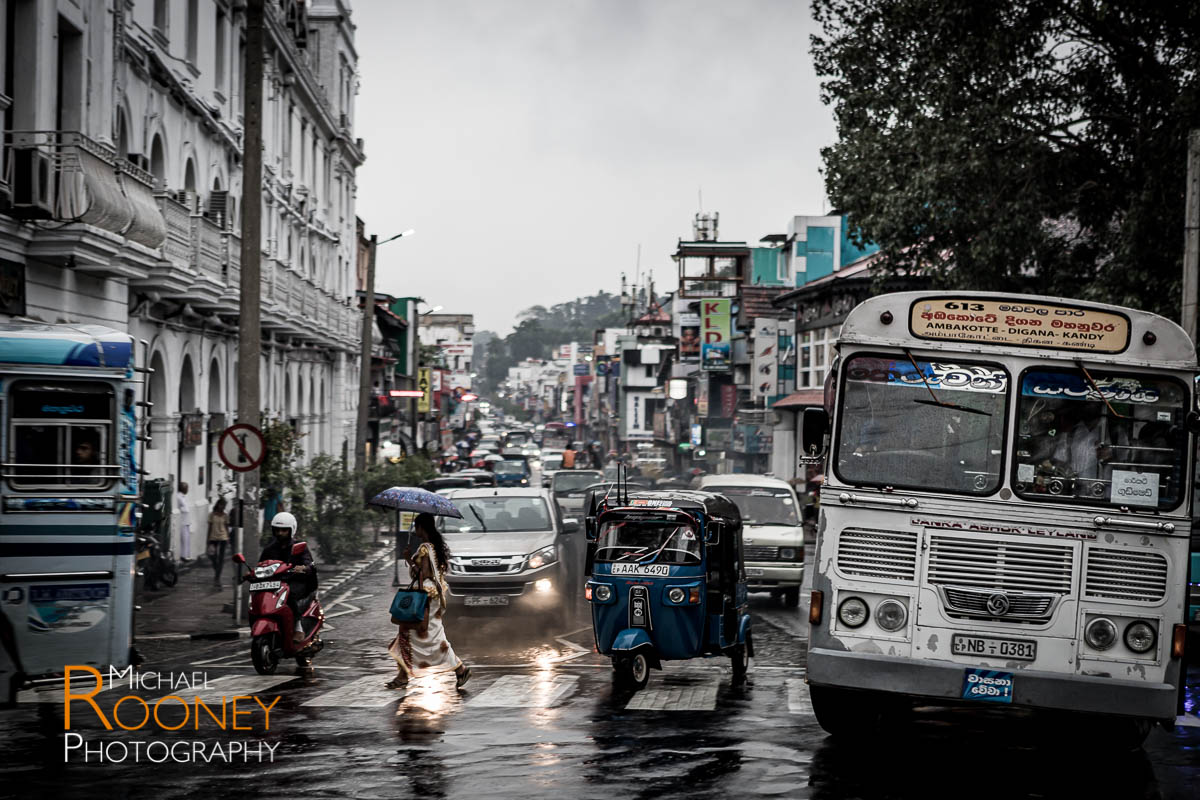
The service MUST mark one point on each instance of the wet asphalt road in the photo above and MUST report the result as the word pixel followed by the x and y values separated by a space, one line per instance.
pixel 541 718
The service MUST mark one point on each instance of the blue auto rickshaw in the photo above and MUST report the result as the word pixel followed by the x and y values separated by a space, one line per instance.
pixel 667 581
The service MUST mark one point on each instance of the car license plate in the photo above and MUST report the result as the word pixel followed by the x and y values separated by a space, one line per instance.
pixel 755 572
pixel 988 685
pixel 263 586
pixel 987 647
pixel 485 600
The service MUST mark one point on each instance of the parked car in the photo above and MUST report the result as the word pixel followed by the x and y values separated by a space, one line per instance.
pixel 512 471
pixel 568 487
pixel 514 552
pixel 773 536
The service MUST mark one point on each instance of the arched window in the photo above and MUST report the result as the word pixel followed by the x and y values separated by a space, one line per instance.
pixel 158 164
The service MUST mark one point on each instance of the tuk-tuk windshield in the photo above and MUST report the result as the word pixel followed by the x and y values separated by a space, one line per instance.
pixel 642 541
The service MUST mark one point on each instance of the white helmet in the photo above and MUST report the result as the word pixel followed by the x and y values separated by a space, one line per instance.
pixel 284 520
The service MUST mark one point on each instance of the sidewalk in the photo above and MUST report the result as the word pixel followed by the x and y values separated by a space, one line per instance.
pixel 195 609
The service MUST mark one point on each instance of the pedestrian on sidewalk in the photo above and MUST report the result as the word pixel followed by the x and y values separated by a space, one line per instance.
pixel 185 522
pixel 424 650
pixel 218 539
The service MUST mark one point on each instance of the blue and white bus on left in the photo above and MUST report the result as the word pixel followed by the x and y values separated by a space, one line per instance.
pixel 69 487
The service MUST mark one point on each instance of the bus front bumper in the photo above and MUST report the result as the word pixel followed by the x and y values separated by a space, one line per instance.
pixel 943 682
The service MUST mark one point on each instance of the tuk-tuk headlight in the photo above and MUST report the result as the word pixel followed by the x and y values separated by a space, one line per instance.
pixel 787 553
pixel 891 615
pixel 853 612
pixel 676 595
pixel 1140 637
pixel 542 557
pixel 602 592
pixel 1100 634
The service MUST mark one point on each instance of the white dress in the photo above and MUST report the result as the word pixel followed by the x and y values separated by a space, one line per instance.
pixel 420 654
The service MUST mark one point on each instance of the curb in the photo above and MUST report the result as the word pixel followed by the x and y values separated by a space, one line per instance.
pixel 244 633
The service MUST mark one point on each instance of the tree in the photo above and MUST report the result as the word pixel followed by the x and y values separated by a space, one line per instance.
pixel 1017 145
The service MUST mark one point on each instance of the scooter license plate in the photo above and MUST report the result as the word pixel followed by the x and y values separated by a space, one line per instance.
pixel 263 586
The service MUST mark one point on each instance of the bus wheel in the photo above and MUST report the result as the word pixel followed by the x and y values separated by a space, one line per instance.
pixel 844 712
pixel 263 655
pixel 632 672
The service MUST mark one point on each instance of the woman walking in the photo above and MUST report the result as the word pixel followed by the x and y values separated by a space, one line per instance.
pixel 424 650
pixel 218 539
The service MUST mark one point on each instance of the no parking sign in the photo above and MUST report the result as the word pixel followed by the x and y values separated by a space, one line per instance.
pixel 241 447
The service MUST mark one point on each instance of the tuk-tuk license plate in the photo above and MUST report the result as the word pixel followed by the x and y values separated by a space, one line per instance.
pixel 988 685
pixel 987 647
pixel 656 570
pixel 485 600
pixel 755 572
pixel 264 586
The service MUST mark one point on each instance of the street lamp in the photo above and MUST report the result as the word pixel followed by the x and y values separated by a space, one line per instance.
pixel 364 383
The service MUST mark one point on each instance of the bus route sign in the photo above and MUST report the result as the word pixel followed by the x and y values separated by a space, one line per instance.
pixel 1021 323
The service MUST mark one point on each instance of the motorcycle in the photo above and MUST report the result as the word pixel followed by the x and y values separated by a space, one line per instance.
pixel 273 633
pixel 157 567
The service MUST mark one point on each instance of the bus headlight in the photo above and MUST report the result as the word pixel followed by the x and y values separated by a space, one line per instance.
pixel 603 592
pixel 853 612
pixel 1140 637
pixel 676 595
pixel 891 615
pixel 1100 633
pixel 787 553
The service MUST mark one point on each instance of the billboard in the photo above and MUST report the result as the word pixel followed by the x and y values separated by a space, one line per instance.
pixel 689 337
pixel 766 357
pixel 716 335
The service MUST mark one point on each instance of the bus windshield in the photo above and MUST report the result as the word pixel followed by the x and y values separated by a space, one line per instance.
pixel 641 541
pixel 933 425
pixel 1101 438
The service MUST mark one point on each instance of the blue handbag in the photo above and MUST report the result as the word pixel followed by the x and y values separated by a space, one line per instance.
pixel 410 606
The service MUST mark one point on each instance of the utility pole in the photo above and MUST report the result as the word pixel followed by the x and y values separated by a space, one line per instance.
pixel 1191 241
pixel 364 378
pixel 250 291
pixel 415 368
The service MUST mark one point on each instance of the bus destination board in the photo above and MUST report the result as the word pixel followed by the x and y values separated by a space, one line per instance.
pixel 1023 324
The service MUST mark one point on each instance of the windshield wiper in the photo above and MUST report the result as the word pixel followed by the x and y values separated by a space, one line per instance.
pixel 935 401
pixel 471 508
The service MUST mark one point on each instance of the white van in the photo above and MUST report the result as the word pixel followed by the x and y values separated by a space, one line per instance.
pixel 772 534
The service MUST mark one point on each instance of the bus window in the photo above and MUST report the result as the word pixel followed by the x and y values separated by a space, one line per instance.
pixel 1125 446
pixel 940 428
pixel 60 435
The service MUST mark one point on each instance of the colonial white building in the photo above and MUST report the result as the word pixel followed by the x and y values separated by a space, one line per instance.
pixel 120 200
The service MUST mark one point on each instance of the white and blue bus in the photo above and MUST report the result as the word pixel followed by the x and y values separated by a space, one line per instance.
pixel 1006 510
pixel 69 486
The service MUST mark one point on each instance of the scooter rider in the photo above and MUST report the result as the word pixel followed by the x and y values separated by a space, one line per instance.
pixel 283 531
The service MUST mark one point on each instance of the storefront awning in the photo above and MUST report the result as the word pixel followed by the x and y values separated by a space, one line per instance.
pixel 802 399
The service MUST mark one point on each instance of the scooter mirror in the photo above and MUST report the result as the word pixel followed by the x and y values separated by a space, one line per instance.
pixel 238 558
pixel 299 548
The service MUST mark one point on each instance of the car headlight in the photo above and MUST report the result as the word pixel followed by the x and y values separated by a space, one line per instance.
pixel 891 615
pixel 787 553
pixel 1100 634
pixel 603 592
pixel 524 481
pixel 853 612
pixel 676 595
pixel 541 558
pixel 1140 637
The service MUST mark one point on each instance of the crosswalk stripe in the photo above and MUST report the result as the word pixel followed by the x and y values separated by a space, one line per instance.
pixel 525 691
pixel 693 697
pixel 234 686
pixel 366 692
pixel 54 692
pixel 798 699
pixel 1188 721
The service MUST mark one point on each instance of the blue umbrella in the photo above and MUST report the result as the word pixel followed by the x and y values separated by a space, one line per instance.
pixel 410 498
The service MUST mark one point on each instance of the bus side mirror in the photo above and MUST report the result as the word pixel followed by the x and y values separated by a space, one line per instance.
pixel 814 427
pixel 1192 422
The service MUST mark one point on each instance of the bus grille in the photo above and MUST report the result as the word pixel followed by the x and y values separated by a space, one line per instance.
pixel 974 602
pixel 878 554
pixel 1002 565
pixel 1134 575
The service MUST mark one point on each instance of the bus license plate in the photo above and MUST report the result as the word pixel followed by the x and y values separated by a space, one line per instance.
pixel 987 647
pixel 263 586
pixel 485 600
pixel 988 685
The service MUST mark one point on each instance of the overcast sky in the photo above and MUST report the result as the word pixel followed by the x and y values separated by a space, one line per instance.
pixel 534 144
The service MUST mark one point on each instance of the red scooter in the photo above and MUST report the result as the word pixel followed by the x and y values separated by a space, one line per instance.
pixel 272 625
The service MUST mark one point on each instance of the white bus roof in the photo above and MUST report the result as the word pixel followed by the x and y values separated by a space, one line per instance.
pixel 1065 328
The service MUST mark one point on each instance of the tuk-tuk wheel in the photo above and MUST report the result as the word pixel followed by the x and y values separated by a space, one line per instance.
pixel 633 671
pixel 740 658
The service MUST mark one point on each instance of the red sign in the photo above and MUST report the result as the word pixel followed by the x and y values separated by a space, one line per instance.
pixel 406 393
pixel 728 400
